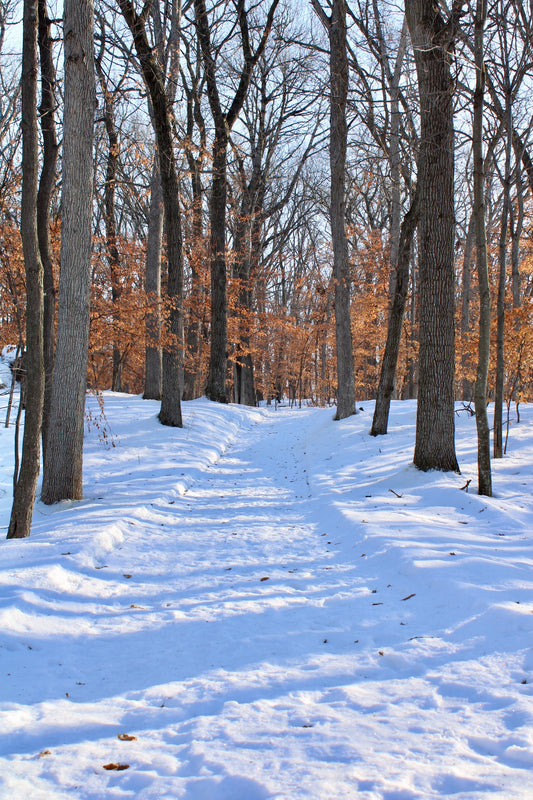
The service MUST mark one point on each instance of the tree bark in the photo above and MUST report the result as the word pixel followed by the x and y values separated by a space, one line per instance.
pixel 62 477
pixel 432 40
pixel 26 484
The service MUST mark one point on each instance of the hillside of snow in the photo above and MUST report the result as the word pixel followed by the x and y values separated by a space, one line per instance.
pixel 269 605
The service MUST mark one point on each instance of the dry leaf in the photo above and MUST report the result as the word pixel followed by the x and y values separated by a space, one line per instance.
pixel 117 767
pixel 126 575
pixel 45 753
pixel 265 578
pixel 125 737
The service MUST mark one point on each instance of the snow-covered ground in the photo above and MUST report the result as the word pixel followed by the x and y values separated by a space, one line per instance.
pixel 269 604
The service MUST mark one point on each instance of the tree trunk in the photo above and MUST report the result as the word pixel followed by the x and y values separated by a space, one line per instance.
pixel 500 304
pixel 224 121
pixel 152 285
pixel 216 382
pixel 394 329
pixel 480 392
pixel 170 411
pixel 62 478
pixel 432 40
pixel 466 299
pixel 113 256
pixel 46 185
pixel 338 76
pixel 26 484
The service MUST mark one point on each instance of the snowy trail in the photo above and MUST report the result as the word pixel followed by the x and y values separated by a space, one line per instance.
pixel 275 607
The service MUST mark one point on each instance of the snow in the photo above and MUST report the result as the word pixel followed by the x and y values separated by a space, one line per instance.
pixel 275 605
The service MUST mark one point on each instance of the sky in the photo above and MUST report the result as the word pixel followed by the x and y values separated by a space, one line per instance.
pixel 269 604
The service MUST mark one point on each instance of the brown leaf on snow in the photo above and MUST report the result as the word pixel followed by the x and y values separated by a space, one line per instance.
pixel 265 578
pixel 45 753
pixel 126 737
pixel 117 767
pixel 409 596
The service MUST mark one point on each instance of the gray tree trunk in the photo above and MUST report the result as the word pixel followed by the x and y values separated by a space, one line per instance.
pixel 26 483
pixel 62 477
pixel 432 40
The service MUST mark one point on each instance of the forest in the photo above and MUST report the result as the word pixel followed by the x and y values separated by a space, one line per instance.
pixel 324 201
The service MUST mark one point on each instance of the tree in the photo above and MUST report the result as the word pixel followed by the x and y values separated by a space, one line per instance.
pixel 480 392
pixel 62 476
pixel 26 481
pixel 335 25
pixel 44 195
pixel 169 63
pixel 170 411
pixel 224 122
pixel 433 38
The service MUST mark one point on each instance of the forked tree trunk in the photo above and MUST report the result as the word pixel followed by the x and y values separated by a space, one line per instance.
pixel 62 477
pixel 26 484
pixel 432 40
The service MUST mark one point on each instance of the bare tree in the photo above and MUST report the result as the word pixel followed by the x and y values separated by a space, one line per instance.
pixel 224 121
pixel 480 392
pixel 46 186
pixel 26 481
pixel 335 24
pixel 433 39
pixel 170 411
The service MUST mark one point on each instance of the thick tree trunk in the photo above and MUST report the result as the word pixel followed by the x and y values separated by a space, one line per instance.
pixel 26 483
pixel 432 40
pixel 62 477
pixel 338 76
